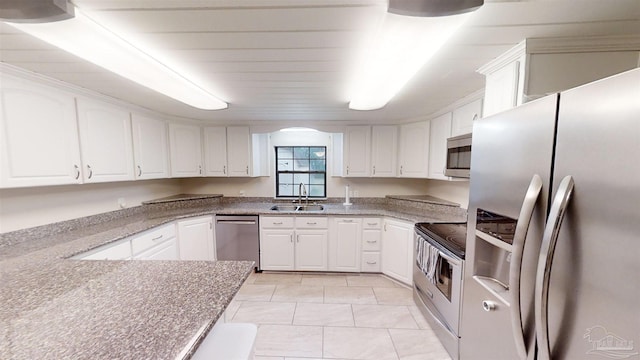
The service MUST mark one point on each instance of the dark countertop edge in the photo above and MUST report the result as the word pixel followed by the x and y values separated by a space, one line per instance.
pixel 181 197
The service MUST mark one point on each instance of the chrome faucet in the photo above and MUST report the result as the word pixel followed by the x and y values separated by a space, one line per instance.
pixel 302 189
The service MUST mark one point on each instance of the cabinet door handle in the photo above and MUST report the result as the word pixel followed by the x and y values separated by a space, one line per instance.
pixel 347 220
pixel 385 226
pixel 311 223
pixel 247 169
pixel 347 169
pixel 277 223
pixel 372 241
pixel 90 172
pixel 371 224
pixel 297 238
pixel 400 169
pixel 475 117
pixel 200 169
pixel 157 238
pixel 291 237
pixel 224 169
pixel 372 262
pixel 139 171
pixel 374 169
pixel 77 171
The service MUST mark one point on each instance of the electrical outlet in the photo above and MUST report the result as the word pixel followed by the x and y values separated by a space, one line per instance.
pixel 355 193
pixel 242 193
pixel 122 203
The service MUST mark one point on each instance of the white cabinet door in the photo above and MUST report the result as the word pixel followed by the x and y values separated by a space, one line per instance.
pixel 167 250
pixel 195 239
pixel 215 151
pixel 357 150
pixel 186 150
pixel 384 151
pixel 38 135
pixel 440 131
pixel 150 147
pixel 397 250
pixel 277 250
pixel 105 141
pixel 463 117
pixel 345 244
pixel 413 157
pixel 121 250
pixel 239 151
pixel 501 89
pixel 311 250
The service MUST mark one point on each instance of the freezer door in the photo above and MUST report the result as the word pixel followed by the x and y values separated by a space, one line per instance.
pixel 594 292
pixel 509 148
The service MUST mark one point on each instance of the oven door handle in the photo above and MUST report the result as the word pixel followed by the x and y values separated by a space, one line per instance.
pixel 454 261
pixel 549 240
pixel 519 237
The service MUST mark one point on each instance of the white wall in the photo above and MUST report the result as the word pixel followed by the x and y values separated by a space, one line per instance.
pixel 28 207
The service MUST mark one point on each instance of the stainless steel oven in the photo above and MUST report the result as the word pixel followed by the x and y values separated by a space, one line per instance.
pixel 437 274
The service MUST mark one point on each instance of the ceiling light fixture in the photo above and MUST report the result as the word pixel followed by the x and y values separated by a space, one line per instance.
pixel 85 38
pixel 403 45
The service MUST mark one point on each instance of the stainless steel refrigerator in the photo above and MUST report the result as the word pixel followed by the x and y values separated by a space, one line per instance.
pixel 553 234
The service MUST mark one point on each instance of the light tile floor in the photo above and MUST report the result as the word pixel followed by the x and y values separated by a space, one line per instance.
pixel 333 316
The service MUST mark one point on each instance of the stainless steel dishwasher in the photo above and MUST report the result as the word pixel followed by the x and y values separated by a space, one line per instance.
pixel 238 238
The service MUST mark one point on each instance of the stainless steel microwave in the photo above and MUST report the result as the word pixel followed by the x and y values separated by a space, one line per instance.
pixel 458 156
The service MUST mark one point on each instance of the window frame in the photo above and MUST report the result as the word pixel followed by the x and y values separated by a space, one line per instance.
pixel 294 172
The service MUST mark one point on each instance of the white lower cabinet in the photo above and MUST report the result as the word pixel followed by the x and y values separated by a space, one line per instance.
pixel 293 243
pixel 120 250
pixel 195 239
pixel 371 245
pixel 167 250
pixel 397 250
pixel 345 244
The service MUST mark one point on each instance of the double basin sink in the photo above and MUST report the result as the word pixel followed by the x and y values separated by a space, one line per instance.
pixel 297 208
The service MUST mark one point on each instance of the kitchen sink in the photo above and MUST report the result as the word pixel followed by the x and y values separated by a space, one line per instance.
pixel 297 208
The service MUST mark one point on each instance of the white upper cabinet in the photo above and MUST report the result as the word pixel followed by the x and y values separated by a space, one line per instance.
pixel 384 151
pixel 215 151
pixel 357 150
pixel 439 133
pixel 39 135
pixel 502 89
pixel 413 157
pixel 105 141
pixel 239 154
pixel 150 147
pixel 464 116
pixel 186 150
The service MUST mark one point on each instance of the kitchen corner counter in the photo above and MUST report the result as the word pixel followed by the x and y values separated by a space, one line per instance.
pixel 57 307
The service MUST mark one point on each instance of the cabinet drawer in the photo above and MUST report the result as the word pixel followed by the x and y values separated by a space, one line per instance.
pixel 371 223
pixel 120 250
pixel 371 240
pixel 304 222
pixel 152 238
pixel 277 222
pixel 370 262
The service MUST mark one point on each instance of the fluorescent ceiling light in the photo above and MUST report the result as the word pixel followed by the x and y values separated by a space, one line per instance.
pixel 403 45
pixel 298 129
pixel 91 41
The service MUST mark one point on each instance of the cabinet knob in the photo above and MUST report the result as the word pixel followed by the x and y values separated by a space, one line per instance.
pixel 488 305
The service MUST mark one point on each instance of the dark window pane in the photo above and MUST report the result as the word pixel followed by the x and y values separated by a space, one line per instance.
pixel 317 153
pixel 301 152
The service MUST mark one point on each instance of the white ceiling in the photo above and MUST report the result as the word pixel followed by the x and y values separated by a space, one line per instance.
pixel 291 60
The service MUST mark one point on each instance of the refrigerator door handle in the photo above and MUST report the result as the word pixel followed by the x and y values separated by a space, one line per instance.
pixel 522 227
pixel 543 275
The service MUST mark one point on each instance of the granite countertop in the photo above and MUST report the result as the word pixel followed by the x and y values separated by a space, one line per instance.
pixel 56 307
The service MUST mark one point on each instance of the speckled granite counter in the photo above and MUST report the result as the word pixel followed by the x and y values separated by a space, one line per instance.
pixel 57 308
